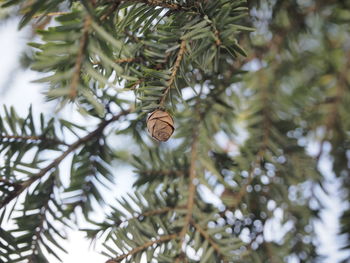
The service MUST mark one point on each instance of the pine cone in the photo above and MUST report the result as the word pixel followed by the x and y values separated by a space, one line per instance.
pixel 160 125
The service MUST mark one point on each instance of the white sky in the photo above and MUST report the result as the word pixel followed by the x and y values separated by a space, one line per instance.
pixel 22 93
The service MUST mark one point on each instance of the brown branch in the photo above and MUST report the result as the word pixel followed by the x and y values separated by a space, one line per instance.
pixel 175 68
pixel 210 240
pixel 80 58
pixel 192 177
pixel 25 184
pixel 334 116
pixel 191 190
pixel 31 138
pixel 146 245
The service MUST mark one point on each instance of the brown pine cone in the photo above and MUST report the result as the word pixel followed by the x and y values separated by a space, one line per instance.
pixel 160 125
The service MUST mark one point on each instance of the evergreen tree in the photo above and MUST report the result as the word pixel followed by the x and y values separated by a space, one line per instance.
pixel 240 88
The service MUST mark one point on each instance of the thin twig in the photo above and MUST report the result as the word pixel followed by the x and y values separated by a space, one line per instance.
pixel 192 186
pixel 209 239
pixel 146 245
pixel 175 68
pixel 80 58
pixel 25 184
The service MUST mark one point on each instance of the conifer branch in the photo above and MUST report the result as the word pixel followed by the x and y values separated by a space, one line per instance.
pixel 152 57
pixel 26 184
pixel 191 187
pixel 210 240
pixel 191 190
pixel 146 245
pixel 173 75
pixel 80 58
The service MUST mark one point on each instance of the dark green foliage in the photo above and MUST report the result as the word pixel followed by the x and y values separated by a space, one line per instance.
pixel 246 104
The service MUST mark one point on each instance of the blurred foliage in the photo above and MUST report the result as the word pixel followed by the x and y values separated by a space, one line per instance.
pixel 250 85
